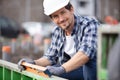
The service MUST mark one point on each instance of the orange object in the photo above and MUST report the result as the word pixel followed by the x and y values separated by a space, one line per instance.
pixel 47 41
pixel 111 20
pixel 6 49
pixel 39 70
pixel 115 22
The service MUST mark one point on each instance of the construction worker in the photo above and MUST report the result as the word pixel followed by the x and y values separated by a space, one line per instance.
pixel 72 53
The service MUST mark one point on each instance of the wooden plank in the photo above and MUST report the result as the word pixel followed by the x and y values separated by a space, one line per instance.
pixel 39 70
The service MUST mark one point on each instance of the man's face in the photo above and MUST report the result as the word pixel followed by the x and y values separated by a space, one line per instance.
pixel 63 18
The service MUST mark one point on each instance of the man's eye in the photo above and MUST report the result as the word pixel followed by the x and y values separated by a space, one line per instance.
pixel 62 12
pixel 54 17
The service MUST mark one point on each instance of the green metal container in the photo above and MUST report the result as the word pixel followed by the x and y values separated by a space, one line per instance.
pixel 106 37
pixel 10 71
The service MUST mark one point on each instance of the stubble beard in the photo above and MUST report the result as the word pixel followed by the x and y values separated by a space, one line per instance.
pixel 66 27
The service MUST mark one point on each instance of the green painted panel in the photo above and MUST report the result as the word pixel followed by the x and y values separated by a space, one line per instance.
pixel 7 74
pixel 107 43
pixel 103 74
pixel 10 71
pixel 16 75
pixel 26 78
pixel 1 73
pixel 104 51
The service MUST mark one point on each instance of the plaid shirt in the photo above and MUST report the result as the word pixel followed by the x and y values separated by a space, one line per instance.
pixel 85 37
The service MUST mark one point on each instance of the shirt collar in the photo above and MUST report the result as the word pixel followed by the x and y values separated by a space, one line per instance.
pixel 75 26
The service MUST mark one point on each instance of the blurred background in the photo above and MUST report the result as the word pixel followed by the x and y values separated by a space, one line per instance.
pixel 26 31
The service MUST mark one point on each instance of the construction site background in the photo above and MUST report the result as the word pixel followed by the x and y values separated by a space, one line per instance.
pixel 34 44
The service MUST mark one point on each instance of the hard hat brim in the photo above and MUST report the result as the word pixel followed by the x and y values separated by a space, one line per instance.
pixel 56 8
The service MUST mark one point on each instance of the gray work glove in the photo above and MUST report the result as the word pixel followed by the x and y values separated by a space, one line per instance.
pixel 56 70
pixel 24 60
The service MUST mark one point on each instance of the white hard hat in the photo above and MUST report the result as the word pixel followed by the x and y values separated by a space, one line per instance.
pixel 50 6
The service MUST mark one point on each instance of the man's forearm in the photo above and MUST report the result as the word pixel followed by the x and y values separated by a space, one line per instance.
pixel 76 61
pixel 42 62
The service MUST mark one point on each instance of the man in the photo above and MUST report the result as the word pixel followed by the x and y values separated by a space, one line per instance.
pixel 73 48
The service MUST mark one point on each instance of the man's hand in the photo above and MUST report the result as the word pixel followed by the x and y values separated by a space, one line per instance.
pixel 24 60
pixel 56 70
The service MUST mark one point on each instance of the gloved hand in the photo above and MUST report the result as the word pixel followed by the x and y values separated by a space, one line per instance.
pixel 56 70
pixel 24 60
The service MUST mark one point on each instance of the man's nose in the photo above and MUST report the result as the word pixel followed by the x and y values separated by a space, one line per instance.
pixel 61 18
